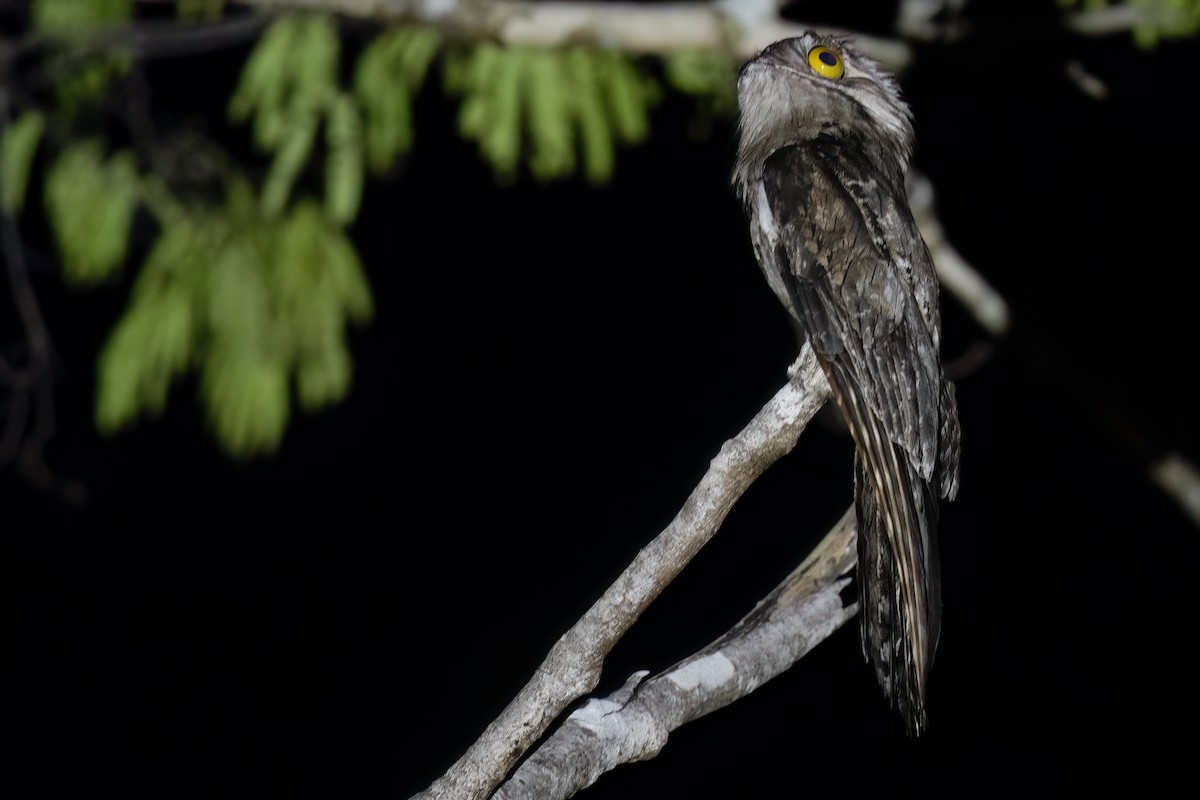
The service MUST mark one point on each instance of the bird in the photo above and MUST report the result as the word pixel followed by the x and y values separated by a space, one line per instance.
pixel 824 142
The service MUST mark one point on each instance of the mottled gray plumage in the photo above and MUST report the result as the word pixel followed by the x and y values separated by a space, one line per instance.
pixel 820 169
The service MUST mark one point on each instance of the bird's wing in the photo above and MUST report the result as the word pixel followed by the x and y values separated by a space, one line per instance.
pixel 851 263
pixel 844 259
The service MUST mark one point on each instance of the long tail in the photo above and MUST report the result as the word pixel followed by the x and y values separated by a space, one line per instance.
pixel 899 583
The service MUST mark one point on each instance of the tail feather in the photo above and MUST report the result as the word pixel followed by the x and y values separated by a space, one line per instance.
pixel 899 586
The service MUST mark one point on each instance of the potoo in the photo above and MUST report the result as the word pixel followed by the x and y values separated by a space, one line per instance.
pixel 825 141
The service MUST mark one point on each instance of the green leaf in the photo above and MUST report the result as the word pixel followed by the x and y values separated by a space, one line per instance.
pixel 156 338
pixel 348 281
pixel 706 74
pixel 247 400
pixel 119 374
pixel 91 203
pixel 171 330
pixel 264 79
pixel 594 126
pixel 626 95
pixel 289 160
pixel 16 157
pixel 387 77
pixel 314 63
pixel 549 117
pixel 323 377
pixel 315 258
pixel 419 46
pixel 238 299
pixel 343 163
pixel 501 141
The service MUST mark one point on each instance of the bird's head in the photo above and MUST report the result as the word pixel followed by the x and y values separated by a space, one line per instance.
pixel 797 90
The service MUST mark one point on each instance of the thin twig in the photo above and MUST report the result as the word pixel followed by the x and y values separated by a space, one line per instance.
pixel 29 416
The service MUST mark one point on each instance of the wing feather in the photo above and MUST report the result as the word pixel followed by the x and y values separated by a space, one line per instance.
pixel 840 253
pixel 852 292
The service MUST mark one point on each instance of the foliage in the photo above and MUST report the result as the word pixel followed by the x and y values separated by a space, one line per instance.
pixel 253 292
pixel 705 74
pixel 1157 19
pixel 389 74
pixel 709 77
pixel 82 77
pixel 288 87
pixel 17 149
pixel 254 302
pixel 556 98
pixel 90 200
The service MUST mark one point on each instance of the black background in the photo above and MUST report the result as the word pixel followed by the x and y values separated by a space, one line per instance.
pixel 548 374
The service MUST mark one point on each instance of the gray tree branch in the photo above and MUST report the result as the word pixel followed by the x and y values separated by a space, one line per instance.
pixel 958 277
pixel 633 723
pixel 573 666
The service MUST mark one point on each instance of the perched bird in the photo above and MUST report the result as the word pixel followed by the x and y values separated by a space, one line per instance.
pixel 825 140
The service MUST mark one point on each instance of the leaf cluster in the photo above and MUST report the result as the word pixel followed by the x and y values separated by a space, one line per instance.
pixel 17 147
pixel 288 87
pixel 253 293
pixel 550 104
pixel 255 304
pixel 90 200
pixel 289 91
pixel 389 74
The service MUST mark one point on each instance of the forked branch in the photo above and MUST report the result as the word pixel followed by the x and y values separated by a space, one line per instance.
pixel 572 668
pixel 633 723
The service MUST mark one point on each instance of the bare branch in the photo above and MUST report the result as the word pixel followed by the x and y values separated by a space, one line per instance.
pixel 633 723
pixel 572 668
pixel 931 20
pixel 1085 81
pixel 633 27
pixel 27 388
pixel 1180 479
pixel 1104 21
pixel 960 278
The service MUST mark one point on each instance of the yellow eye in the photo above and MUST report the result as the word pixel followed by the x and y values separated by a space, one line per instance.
pixel 826 62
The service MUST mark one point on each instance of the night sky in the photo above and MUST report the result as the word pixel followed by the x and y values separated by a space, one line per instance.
pixel 548 374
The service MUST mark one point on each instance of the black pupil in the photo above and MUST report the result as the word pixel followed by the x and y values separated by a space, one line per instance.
pixel 828 59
